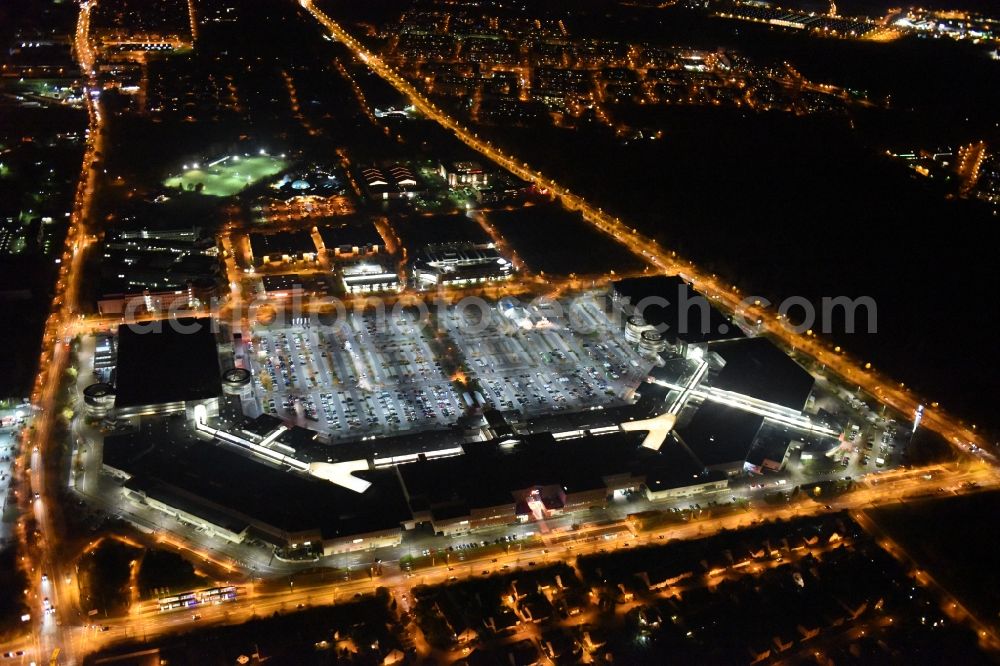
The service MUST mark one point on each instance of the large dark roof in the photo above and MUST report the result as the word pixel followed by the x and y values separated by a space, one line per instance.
pixel 758 368
pixel 720 435
pixel 310 448
pixel 261 425
pixel 210 478
pixel 160 363
pixel 416 232
pixel 354 232
pixel 672 466
pixel 216 478
pixel 488 473
pixel 771 446
pixel 290 242
pixel 687 316
pixel 185 502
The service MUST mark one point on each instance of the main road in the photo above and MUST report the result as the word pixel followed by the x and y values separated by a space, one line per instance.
pixel 38 451
pixel 59 633
pixel 262 599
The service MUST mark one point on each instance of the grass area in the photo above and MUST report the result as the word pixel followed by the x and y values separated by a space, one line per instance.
pixel 553 240
pixel 360 632
pixel 229 176
pixel 826 490
pixel 459 557
pixel 165 572
pixel 10 510
pixel 104 575
pixel 653 520
pixel 12 585
pixel 954 540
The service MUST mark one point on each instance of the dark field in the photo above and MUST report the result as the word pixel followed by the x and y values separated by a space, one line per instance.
pixel 552 240
pixel 950 539
pixel 416 231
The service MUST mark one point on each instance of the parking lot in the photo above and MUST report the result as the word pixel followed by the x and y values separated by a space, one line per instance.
pixel 359 378
pixel 873 448
pixel 8 451
pixel 353 380
pixel 549 366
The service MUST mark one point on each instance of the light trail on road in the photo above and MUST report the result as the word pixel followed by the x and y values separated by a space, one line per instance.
pixel 563 546
pixel 51 635
pixel 71 639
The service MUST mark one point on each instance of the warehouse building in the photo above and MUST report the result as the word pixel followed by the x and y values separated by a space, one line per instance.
pixel 148 270
pixel 167 367
pixel 369 276
pixel 758 369
pixel 539 476
pixel 350 239
pixel 459 264
pixel 403 482
pixel 281 247
pixel 463 174
pixel 392 180
pixel 719 436
pixel 229 494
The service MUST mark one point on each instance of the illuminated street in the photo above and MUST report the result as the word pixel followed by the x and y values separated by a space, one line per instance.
pixel 300 375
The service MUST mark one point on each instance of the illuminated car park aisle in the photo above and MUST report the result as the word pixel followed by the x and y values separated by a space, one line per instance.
pixel 547 367
pixel 353 380
pixel 363 377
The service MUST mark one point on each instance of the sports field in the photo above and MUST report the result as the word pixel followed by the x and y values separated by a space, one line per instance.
pixel 228 176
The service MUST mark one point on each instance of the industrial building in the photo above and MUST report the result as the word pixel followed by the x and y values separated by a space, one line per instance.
pixel 365 494
pixel 531 478
pixel 338 498
pixel 543 475
pixel 758 369
pixel 392 180
pixel 146 270
pixel 738 415
pixel 167 366
pixel 459 264
pixel 735 407
pixel 369 276
pixel 349 239
pixel 719 436
pixel 770 453
pixel 234 496
pixel 463 174
pixel 281 247
pixel 293 285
